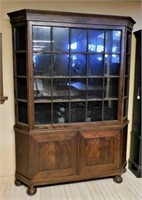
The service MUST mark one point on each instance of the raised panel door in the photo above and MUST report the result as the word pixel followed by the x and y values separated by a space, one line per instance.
pixel 54 154
pixel 99 151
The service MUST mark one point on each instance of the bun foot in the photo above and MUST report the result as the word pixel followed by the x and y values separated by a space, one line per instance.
pixel 18 183
pixel 31 190
pixel 118 179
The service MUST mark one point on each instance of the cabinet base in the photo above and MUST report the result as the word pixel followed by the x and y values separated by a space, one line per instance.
pixel 32 187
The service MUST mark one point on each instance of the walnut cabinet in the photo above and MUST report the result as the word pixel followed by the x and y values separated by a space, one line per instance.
pixel 71 75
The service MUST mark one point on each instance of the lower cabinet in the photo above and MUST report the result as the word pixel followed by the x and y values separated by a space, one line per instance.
pixel 44 158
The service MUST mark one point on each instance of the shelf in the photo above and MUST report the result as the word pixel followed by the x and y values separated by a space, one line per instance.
pixel 60 100
pixel 22 100
pixel 20 51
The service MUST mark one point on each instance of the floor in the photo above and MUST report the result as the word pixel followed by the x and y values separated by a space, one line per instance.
pixel 103 189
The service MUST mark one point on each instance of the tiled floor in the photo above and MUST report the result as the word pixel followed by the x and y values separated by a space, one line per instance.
pixel 103 189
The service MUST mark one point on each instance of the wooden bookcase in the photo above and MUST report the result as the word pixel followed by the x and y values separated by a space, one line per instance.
pixel 71 74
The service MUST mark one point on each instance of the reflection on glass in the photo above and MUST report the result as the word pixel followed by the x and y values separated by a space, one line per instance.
pixel 113 41
pixel 111 87
pixel 96 41
pixel 60 113
pixel 41 38
pixel 22 112
pixel 78 65
pixel 21 64
pixel 42 88
pixel 94 111
pixel 42 64
pixel 112 64
pixel 110 110
pixel 60 39
pixel 22 88
pixel 60 88
pixel 60 65
pixel 78 40
pixel 42 113
pixel 96 65
pixel 78 88
pixel 95 88
pixel 78 112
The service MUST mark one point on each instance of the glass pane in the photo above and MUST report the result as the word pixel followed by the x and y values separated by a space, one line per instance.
pixel 96 41
pixel 78 88
pixel 78 65
pixel 41 38
pixel 63 112
pixel 110 110
pixel 60 113
pixel 111 88
pixel 113 41
pixel 126 91
pixel 22 112
pixel 128 47
pixel 42 88
pixel 42 64
pixel 125 107
pixel 61 65
pixel 22 88
pixel 94 111
pixel 60 88
pixel 78 40
pixel 21 64
pixel 127 70
pixel 20 35
pixel 112 64
pixel 96 64
pixel 42 113
pixel 78 112
pixel 60 39
pixel 95 88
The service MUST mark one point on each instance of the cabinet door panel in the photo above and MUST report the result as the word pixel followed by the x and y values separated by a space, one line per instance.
pixel 54 154
pixel 99 151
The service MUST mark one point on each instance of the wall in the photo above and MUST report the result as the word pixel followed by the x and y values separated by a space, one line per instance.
pixel 7 145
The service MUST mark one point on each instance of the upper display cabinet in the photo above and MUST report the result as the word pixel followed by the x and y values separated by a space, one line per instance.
pixel 70 70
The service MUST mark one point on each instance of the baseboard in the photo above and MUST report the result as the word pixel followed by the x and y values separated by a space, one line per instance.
pixel 135 168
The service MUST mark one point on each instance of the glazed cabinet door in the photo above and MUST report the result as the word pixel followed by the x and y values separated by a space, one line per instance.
pixel 54 154
pixel 76 74
pixel 99 151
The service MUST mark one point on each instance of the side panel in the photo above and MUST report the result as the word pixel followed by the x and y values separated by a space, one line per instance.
pixel 22 154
